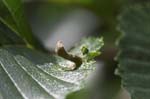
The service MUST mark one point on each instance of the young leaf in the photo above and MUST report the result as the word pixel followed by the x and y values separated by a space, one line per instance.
pixel 27 74
pixel 11 15
pixel 134 55
pixel 89 48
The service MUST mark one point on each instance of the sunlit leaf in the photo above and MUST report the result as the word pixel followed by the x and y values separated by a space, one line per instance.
pixel 28 74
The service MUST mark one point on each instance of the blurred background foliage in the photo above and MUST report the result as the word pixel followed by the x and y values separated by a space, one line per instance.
pixel 71 20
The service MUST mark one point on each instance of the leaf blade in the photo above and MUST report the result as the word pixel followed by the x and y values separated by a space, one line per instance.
pixel 134 52
pixel 35 75
pixel 13 17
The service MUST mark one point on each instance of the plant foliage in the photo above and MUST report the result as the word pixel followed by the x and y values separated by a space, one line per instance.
pixel 28 74
pixel 134 55
pixel 14 23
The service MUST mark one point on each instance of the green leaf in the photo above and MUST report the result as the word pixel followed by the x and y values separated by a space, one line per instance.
pixel 88 48
pixel 134 55
pixel 28 74
pixel 8 37
pixel 12 16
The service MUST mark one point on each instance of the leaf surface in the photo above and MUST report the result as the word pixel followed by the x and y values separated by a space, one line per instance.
pixel 28 74
pixel 134 55
pixel 13 24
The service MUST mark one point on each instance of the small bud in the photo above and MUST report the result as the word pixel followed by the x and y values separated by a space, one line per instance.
pixel 84 50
